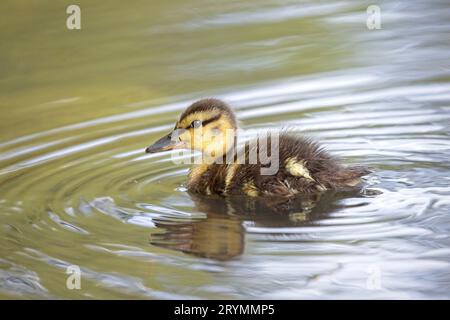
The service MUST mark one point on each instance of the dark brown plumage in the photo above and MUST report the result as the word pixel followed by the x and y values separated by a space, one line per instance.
pixel 325 170
pixel 304 167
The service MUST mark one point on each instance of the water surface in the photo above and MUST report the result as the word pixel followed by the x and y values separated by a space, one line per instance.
pixel 79 107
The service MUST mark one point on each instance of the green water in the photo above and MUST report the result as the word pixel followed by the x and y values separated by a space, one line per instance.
pixel 78 108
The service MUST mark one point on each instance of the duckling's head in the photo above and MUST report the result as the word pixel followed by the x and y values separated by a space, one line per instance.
pixel 207 125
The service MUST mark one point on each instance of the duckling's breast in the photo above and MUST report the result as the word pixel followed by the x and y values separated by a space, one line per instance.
pixel 208 179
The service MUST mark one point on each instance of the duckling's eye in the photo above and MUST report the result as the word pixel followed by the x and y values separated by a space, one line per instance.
pixel 196 124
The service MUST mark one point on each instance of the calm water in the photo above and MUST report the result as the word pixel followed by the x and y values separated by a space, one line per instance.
pixel 79 107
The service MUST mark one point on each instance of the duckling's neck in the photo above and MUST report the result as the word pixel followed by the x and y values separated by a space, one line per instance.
pixel 220 150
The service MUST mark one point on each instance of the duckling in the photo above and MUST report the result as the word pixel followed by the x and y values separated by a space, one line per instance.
pixel 210 126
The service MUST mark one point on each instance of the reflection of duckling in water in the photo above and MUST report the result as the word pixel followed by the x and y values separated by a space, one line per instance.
pixel 304 167
pixel 217 237
pixel 221 235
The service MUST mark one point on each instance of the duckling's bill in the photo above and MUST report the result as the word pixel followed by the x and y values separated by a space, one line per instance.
pixel 166 143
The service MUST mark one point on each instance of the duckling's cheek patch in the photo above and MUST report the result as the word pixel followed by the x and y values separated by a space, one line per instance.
pixel 250 189
pixel 297 168
pixel 184 135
